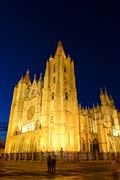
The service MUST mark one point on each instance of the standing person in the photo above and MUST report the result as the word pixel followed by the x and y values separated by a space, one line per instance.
pixel 53 162
pixel 49 162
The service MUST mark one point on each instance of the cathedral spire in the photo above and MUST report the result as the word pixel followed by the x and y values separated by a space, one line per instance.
pixel 107 97
pixel 102 97
pixel 93 105
pixel 111 101
pixel 106 92
pixel 101 91
pixel 34 81
pixel 40 80
pixel 60 51
pixel 27 78
pixel 111 97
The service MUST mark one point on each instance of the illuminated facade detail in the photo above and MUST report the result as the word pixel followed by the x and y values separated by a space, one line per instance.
pixel 30 112
pixel 28 127
pixel 45 114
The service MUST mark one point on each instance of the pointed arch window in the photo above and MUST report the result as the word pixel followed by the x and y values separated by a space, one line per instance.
pixel 91 147
pixel 112 121
pixel 54 68
pixel 65 80
pixel 66 96
pixel 52 96
pixel 40 126
pixel 95 145
pixel 53 79
pixel 83 145
pixel 65 69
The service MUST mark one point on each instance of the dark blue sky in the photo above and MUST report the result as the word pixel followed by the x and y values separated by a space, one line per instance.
pixel 89 31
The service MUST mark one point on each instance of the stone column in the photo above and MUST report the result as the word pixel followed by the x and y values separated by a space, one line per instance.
pixel 89 157
pixel 80 156
pixel 87 115
pixel 32 158
pixel 19 156
pixel 109 156
pixel 15 156
pixel 25 156
pixel 9 156
pixel 104 156
pixel 4 156
pixel 61 155
pixel 96 155
pixel 41 156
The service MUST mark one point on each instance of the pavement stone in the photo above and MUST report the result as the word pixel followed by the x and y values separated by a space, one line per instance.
pixel 35 170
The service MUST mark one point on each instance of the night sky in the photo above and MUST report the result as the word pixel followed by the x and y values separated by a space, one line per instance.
pixel 89 31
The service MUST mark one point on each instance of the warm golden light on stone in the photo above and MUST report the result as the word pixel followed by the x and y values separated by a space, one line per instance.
pixel 28 127
pixel 45 115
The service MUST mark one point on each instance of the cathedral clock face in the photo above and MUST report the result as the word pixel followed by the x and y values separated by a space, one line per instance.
pixel 30 113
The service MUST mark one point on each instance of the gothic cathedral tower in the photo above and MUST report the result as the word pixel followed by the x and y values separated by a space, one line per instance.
pixel 44 115
pixel 59 103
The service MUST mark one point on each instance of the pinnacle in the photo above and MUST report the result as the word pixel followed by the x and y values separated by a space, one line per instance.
pixel 35 77
pixel 101 91
pixel 111 97
pixel 105 91
pixel 27 78
pixel 60 51
pixel 40 79
pixel 59 43
pixel 28 71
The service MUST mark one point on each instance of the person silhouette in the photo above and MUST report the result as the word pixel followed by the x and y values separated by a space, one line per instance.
pixel 49 162
pixel 53 162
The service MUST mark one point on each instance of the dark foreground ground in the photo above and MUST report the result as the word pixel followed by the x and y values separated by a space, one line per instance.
pixel 11 170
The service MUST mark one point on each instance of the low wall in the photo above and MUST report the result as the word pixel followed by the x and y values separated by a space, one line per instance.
pixel 61 156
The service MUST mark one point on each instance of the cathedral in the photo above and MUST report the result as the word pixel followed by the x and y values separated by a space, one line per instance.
pixel 45 114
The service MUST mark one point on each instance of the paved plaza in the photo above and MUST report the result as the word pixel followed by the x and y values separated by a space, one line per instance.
pixel 16 170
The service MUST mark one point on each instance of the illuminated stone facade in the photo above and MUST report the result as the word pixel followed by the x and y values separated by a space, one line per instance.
pixel 45 115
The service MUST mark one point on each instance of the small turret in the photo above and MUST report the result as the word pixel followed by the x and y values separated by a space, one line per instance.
pixel 102 97
pixel 34 81
pixel 101 92
pixel 50 58
pixel 98 107
pixel 112 101
pixel 40 83
pixel 80 106
pixel 69 58
pixel 107 99
pixel 46 77
pixel 26 79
